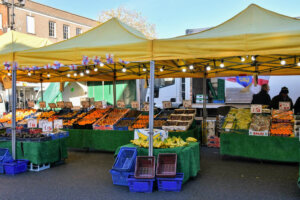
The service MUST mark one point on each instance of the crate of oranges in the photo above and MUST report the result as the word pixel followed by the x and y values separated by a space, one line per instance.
pixel 87 121
pixel 108 122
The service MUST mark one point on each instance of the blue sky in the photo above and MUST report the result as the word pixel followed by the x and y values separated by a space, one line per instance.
pixel 173 17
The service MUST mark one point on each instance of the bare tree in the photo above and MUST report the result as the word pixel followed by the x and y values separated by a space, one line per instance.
pixel 131 18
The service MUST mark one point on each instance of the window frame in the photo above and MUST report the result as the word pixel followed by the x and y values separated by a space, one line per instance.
pixel 68 31
pixel 27 24
pixel 80 31
pixel 54 29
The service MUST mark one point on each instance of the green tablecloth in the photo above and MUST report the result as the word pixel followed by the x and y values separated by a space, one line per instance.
pixel 273 148
pixel 299 178
pixel 39 152
pixel 188 158
pixel 110 140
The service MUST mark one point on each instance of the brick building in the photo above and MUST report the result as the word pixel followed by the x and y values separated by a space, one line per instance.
pixel 44 21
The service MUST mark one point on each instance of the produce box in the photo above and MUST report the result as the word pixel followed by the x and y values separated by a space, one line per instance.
pixel 108 121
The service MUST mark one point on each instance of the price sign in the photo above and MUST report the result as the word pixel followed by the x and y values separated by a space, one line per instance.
pixel 135 104
pixel 30 104
pixel 98 104
pixel 187 103
pixel 58 124
pixel 167 104
pixel 52 105
pixel 258 133
pixel 32 123
pixel 41 122
pixel 47 126
pixel 146 106
pixel 69 104
pixel 255 108
pixel 85 104
pixel 60 104
pixel 120 104
pixel 42 104
pixel 284 105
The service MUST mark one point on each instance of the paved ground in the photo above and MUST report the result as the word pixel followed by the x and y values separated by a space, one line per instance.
pixel 86 176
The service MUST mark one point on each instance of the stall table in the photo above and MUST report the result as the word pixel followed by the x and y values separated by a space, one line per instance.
pixel 110 140
pixel 273 148
pixel 39 152
pixel 188 158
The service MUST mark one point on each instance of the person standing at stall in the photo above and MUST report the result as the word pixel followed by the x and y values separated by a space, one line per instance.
pixel 297 107
pixel 282 97
pixel 262 97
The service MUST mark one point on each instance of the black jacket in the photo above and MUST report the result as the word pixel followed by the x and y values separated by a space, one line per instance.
pixel 262 98
pixel 297 107
pixel 275 101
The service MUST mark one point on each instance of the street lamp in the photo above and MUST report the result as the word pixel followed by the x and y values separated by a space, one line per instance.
pixel 12 4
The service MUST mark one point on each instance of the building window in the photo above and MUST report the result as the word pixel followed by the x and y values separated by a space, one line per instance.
pixel 66 31
pixel 30 25
pixel 52 29
pixel 1 27
pixel 78 31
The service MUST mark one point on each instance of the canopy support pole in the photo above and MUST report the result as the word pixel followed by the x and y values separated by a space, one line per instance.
pixel 204 108
pixel 151 108
pixel 114 89
pixel 42 90
pixel 13 120
pixel 102 90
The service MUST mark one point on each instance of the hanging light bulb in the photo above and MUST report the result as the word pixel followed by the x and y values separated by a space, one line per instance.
pixel 191 67
pixel 222 64
pixel 75 74
pixel 208 68
pixel 183 69
pixel 124 69
pixel 87 71
pixel 253 58
pixel 29 74
pixel 95 69
pixel 81 74
pixel 101 64
pixel 48 75
pixel 161 69
pixel 282 62
pixel 144 69
pixel 68 75
pixel 8 74
pixel 242 59
pixel 298 63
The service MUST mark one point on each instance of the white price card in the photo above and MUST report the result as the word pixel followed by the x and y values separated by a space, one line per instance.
pixel 47 127
pixel 255 108
pixel 120 104
pixel 85 104
pixel 187 103
pixel 284 105
pixel 98 104
pixel 69 104
pixel 146 106
pixel 58 124
pixel 41 122
pixel 135 104
pixel 42 104
pixel 32 123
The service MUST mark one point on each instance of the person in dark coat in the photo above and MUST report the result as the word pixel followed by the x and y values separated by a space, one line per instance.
pixel 283 96
pixel 297 107
pixel 262 97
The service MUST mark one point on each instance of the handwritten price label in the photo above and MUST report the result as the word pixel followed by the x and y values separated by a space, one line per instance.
pixel 58 124
pixel 85 104
pixel 32 123
pixel 256 108
pixel 187 103
pixel 60 104
pixel 258 133
pixel 284 105
pixel 47 126
pixel 146 106
pixel 121 104
pixel 135 104
pixel 52 105
pixel 42 104
pixel 98 104
pixel 167 104
pixel 41 122
pixel 69 104
pixel 30 104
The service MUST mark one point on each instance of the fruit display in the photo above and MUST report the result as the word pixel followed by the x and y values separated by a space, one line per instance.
pixel 133 114
pixel 282 123
pixel 185 111
pixel 92 116
pixel 124 123
pixel 48 114
pixel 20 115
pixel 260 122
pixel 68 115
pixel 110 119
pixel 142 122
pixel 165 114
pixel 159 123
pixel 237 119
pixel 171 142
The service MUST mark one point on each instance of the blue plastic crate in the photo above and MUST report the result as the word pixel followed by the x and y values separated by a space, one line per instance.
pixel 170 184
pixel 120 177
pixel 64 134
pixel 218 101
pixel 125 160
pixel 15 167
pixel 120 128
pixel 140 185
pixel 4 158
